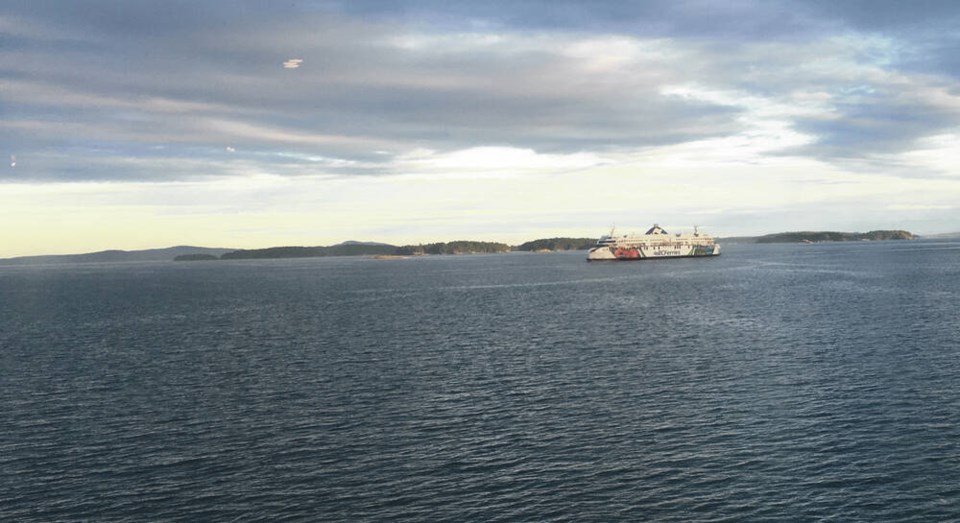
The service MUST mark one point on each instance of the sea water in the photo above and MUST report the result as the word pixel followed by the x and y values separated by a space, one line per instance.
pixel 775 382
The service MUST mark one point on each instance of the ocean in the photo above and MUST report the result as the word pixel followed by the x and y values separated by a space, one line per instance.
pixel 773 383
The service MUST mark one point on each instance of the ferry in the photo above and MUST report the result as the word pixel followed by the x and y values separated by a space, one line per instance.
pixel 656 243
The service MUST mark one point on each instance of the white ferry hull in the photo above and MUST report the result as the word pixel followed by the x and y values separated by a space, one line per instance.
pixel 613 254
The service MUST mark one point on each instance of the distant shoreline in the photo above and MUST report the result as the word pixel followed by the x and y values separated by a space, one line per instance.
pixel 353 248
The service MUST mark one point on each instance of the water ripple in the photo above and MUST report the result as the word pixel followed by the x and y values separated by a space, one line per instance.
pixel 773 383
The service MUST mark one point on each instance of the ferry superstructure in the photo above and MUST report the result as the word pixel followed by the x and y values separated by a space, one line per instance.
pixel 656 243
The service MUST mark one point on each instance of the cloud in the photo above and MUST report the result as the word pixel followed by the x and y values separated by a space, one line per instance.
pixel 496 161
pixel 544 93
pixel 560 79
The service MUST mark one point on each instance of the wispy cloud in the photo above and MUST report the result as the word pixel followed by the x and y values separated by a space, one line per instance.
pixel 398 88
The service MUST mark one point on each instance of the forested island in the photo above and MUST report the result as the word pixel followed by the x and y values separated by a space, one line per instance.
pixel 368 249
pixel 558 244
pixel 454 247
pixel 343 249
pixel 829 236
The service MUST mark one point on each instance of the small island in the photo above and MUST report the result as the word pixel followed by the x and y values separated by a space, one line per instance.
pixel 829 236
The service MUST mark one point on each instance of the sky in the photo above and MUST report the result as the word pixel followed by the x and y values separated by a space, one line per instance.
pixel 140 124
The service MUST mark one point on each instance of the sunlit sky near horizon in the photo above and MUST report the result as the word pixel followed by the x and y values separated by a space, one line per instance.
pixel 143 124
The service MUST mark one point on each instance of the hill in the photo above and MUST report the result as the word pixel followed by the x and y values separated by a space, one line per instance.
pixel 195 257
pixel 108 256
